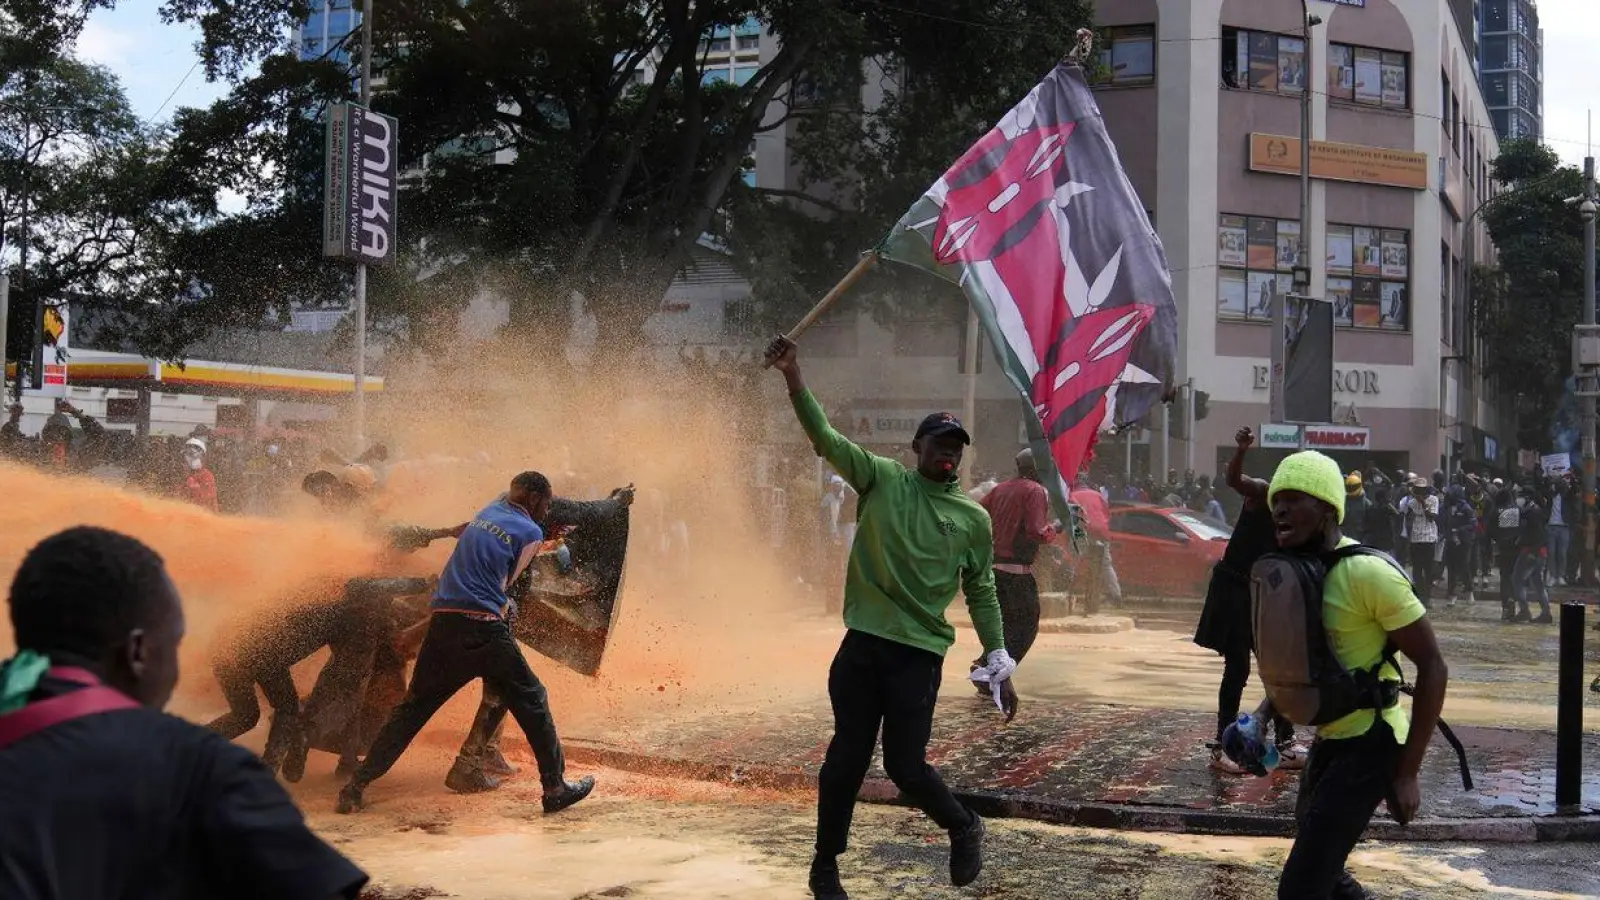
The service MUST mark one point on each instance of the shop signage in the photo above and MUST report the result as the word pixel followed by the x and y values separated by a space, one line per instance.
pixel 359 185
pixel 1345 381
pixel 1280 437
pixel 1337 437
pixel 1280 155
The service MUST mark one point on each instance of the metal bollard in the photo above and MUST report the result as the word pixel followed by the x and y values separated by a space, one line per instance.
pixel 1569 708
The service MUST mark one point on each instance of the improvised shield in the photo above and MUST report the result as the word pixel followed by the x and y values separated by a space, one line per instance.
pixel 569 616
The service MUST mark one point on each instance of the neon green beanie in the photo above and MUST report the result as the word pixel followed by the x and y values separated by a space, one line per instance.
pixel 1310 472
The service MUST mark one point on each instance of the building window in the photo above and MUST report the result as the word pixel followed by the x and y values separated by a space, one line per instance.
pixel 742 74
pixel 1127 55
pixel 718 45
pixel 1255 256
pixel 1261 61
pixel 1369 77
pixel 713 76
pixel 1368 270
pixel 750 26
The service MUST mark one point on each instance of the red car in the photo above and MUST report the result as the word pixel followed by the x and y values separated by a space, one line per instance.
pixel 1165 552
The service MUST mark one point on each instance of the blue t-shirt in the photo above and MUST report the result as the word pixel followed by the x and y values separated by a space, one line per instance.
pixel 498 542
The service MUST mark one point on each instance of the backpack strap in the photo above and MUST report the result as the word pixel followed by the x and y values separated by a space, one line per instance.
pixel 89 700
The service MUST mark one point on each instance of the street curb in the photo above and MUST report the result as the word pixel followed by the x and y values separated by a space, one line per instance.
pixel 1112 816
pixel 1072 625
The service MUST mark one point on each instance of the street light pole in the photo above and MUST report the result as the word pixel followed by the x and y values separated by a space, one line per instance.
pixel 1587 210
pixel 1302 268
pixel 359 411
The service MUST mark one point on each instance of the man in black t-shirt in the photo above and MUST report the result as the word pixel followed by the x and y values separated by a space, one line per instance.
pixel 104 794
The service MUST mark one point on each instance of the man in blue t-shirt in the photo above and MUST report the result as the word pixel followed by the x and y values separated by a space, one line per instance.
pixel 469 638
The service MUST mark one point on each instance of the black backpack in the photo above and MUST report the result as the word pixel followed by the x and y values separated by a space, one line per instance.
pixel 1303 677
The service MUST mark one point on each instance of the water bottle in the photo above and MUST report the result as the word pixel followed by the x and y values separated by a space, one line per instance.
pixel 1255 730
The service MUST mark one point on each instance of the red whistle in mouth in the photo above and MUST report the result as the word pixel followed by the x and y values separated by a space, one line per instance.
pixel 947 466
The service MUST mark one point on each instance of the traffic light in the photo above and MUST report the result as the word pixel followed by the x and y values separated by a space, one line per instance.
pixel 1201 398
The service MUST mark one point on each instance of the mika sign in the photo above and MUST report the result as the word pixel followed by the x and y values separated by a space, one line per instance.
pixel 360 185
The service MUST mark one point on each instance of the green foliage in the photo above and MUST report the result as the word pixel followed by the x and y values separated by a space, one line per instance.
pixel 1526 309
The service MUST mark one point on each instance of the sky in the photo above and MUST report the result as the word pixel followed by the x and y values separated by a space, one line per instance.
pixel 157 61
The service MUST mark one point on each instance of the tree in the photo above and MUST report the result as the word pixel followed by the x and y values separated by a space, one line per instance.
pixel 92 187
pixel 1525 311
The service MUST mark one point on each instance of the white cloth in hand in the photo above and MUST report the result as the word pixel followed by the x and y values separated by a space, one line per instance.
pixel 999 669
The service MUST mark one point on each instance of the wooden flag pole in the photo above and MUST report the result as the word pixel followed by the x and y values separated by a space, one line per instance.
pixel 850 278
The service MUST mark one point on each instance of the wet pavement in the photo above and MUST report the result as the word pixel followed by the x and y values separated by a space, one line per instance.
pixel 1072 757
pixel 660 839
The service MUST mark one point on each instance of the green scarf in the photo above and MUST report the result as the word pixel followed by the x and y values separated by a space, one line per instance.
pixel 19 678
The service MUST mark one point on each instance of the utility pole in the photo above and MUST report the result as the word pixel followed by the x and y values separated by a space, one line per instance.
pixel 969 402
pixel 1302 267
pixel 359 411
pixel 1188 424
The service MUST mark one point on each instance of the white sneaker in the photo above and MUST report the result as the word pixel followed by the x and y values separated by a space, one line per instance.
pixel 1292 757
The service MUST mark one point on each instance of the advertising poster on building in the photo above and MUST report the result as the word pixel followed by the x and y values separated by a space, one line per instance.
pixel 1263 249
pixel 1396 255
pixel 1339 293
pixel 1242 60
pixel 1368 252
pixel 1366 297
pixel 1369 76
pixel 1291 65
pixel 1394 305
pixel 1341 250
pixel 1258 296
pixel 1341 72
pixel 1231 242
pixel 1308 361
pixel 1288 243
pixel 1394 80
pixel 1231 295
pixel 53 358
pixel 1263 61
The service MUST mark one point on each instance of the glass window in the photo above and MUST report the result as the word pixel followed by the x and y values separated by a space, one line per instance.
pixel 718 45
pixel 1291 65
pixel 748 176
pixel 750 26
pixel 1369 270
pixel 742 74
pixel 714 76
pixel 315 23
pixel 1207 529
pixel 1341 72
pixel 1128 55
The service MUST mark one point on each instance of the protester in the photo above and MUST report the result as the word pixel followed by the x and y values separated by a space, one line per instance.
pixel 1356 507
pixel 1481 556
pixel 1532 552
pixel 105 795
pixel 352 622
pixel 1507 538
pixel 1462 534
pixel 1378 531
pixel 1421 511
pixel 200 485
pixel 1363 758
pixel 468 638
pixel 919 540
pixel 1225 618
pixel 13 443
pixel 1019 509
pixel 1565 503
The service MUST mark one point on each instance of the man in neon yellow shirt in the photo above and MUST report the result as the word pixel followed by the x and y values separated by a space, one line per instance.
pixel 918 539
pixel 1361 759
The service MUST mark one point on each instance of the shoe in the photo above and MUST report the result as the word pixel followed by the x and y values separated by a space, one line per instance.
pixel 1544 620
pixel 1595 684
pixel 294 760
pixel 825 879
pixel 464 779
pixel 567 794
pixel 1523 618
pixel 1222 764
pixel 1291 757
pixel 350 799
pixel 966 853
pixel 494 763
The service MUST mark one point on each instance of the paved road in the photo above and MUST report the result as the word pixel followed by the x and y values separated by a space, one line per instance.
pixel 666 840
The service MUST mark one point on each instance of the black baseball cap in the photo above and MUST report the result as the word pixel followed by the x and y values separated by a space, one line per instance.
pixel 942 423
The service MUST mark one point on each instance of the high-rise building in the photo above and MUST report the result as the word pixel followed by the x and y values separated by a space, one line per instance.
pixel 1511 66
pixel 323 33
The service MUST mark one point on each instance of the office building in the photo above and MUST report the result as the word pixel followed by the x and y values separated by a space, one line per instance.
pixel 1511 66
pixel 324 31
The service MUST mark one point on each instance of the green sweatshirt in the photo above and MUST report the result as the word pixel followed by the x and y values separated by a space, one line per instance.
pixel 916 541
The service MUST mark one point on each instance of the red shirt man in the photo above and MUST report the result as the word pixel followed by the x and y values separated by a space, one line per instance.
pixel 200 486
